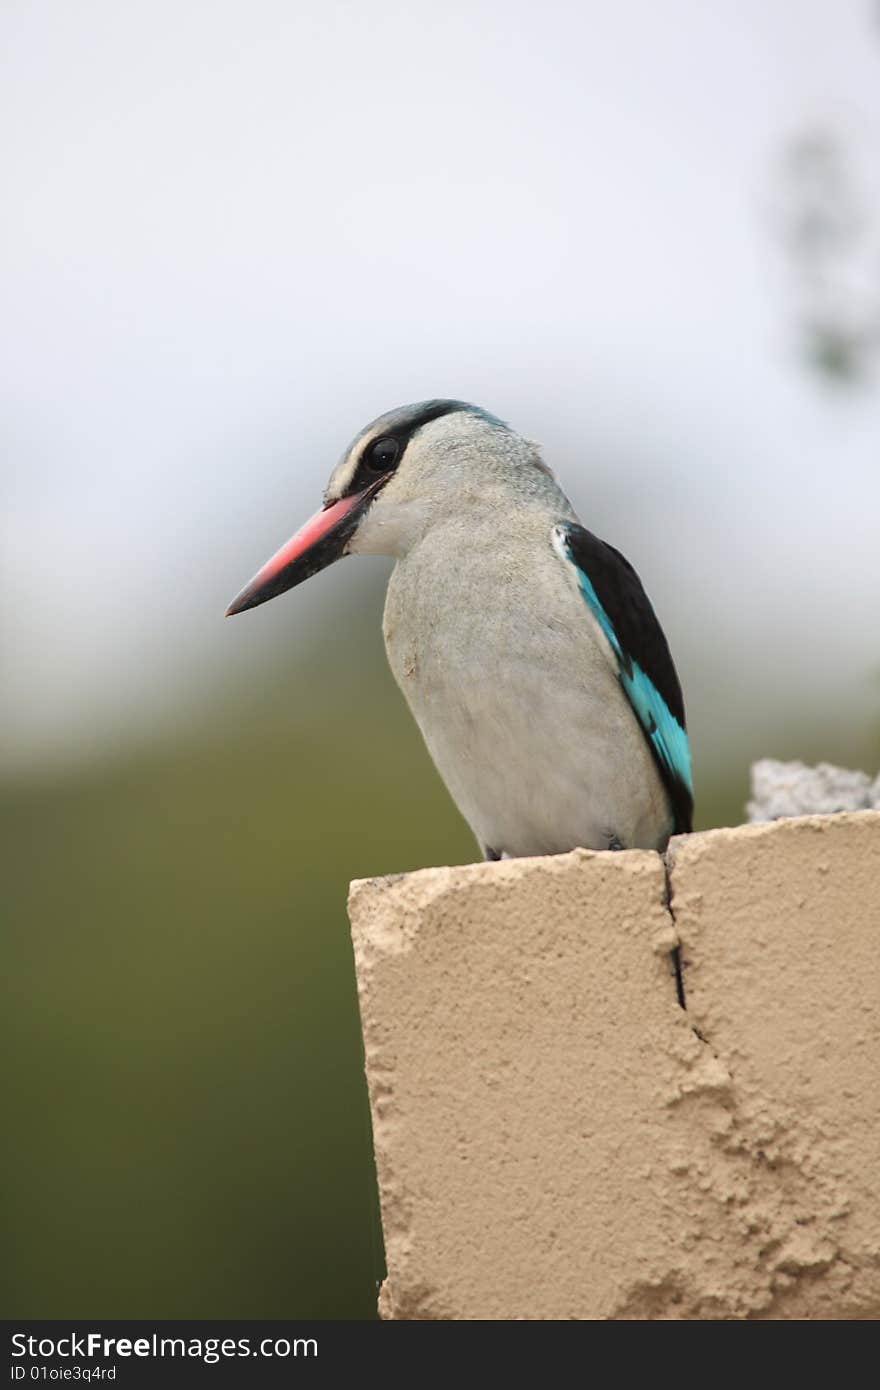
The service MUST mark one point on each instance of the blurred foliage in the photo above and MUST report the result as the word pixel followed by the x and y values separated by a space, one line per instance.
pixel 187 1123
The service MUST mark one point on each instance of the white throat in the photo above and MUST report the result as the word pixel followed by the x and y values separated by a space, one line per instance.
pixel 391 527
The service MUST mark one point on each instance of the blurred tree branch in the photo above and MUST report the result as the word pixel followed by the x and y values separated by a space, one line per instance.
pixel 828 221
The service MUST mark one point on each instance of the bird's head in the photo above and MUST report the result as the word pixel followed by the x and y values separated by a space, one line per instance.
pixel 399 475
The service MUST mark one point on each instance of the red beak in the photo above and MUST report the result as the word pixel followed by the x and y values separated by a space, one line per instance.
pixel 317 544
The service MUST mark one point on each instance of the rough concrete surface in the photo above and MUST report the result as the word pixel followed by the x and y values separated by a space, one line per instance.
pixel 795 789
pixel 556 1138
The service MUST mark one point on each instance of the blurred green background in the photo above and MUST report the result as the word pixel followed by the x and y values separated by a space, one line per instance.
pixel 646 236
pixel 188 1132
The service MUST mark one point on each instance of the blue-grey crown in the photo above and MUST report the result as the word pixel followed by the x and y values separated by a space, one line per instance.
pixel 403 422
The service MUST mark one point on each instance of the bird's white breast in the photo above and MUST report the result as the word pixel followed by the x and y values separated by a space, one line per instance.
pixel 516 693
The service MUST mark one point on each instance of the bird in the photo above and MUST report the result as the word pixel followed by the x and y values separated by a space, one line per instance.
pixel 526 647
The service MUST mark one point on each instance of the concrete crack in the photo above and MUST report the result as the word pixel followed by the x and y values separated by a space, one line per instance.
pixel 675 954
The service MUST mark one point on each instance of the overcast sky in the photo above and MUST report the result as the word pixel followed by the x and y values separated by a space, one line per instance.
pixel 233 233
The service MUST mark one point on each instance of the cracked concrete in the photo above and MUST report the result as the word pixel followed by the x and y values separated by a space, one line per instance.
pixel 557 1138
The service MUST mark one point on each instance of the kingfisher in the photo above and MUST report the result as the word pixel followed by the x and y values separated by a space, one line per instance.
pixel 525 647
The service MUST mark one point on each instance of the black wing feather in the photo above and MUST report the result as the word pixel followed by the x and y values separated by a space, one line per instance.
pixel 641 640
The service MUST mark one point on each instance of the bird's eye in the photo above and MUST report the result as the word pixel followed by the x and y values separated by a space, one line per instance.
pixel 383 454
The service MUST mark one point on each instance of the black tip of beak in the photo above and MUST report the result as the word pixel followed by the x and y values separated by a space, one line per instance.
pixel 263 587
pixel 238 605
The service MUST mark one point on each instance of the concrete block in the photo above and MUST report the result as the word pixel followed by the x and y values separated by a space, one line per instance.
pixel 556 1138
pixel 780 933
